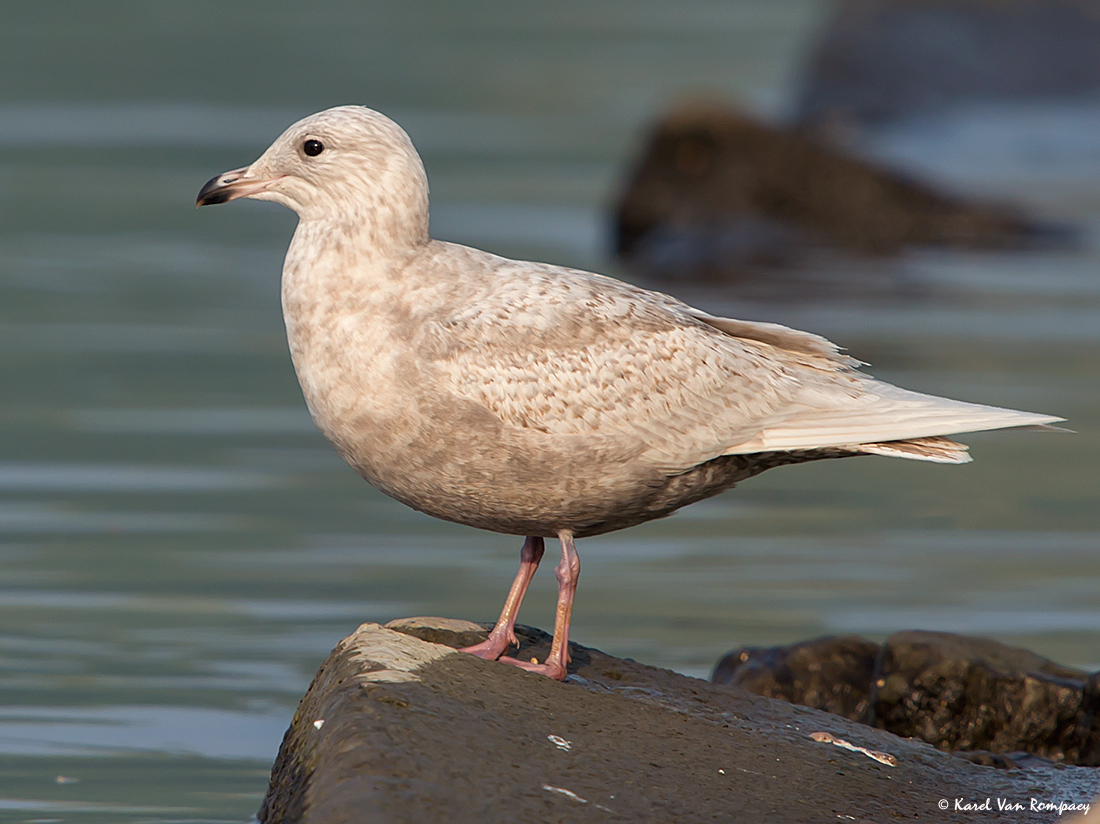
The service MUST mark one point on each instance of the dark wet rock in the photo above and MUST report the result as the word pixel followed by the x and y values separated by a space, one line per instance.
pixel 962 693
pixel 985 758
pixel 1003 705
pixel 879 61
pixel 397 729
pixel 830 674
pixel 715 190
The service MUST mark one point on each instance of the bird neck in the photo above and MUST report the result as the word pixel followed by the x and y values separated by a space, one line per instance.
pixel 387 225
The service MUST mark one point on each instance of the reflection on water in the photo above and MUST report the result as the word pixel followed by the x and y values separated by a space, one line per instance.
pixel 180 549
pixel 27 477
pixel 102 730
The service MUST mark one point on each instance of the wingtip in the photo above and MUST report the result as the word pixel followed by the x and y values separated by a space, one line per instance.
pixel 1048 427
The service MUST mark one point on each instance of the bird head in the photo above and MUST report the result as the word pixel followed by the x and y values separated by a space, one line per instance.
pixel 349 165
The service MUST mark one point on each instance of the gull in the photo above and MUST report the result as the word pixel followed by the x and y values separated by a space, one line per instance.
pixel 536 400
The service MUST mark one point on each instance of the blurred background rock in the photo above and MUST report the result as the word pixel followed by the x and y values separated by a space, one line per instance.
pixel 719 196
pixel 882 61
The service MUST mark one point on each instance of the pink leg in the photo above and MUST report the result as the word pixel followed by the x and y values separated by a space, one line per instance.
pixel 568 572
pixel 504 633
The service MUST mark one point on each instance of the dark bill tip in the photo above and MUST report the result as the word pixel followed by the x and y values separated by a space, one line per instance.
pixel 214 191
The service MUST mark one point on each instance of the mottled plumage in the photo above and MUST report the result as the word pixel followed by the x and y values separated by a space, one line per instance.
pixel 533 399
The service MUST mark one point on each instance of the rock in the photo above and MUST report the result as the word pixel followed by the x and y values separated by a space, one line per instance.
pixel 1001 706
pixel 398 729
pixel 715 190
pixel 985 758
pixel 879 61
pixel 961 693
pixel 830 674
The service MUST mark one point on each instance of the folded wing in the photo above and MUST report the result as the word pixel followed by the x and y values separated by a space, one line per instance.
pixel 588 356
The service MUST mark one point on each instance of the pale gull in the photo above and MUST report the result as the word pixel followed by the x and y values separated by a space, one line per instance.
pixel 537 400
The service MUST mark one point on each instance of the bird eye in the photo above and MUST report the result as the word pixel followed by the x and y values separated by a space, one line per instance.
pixel 313 147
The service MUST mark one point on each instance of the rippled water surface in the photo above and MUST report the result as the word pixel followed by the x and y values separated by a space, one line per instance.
pixel 180 549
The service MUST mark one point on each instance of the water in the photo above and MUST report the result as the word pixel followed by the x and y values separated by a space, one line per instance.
pixel 180 549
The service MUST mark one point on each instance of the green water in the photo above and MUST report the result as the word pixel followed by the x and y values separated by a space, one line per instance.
pixel 180 549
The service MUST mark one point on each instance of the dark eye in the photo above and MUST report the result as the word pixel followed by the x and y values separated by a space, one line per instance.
pixel 313 147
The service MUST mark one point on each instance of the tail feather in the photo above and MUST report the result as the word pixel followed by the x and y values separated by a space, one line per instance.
pixel 885 420
pixel 937 450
